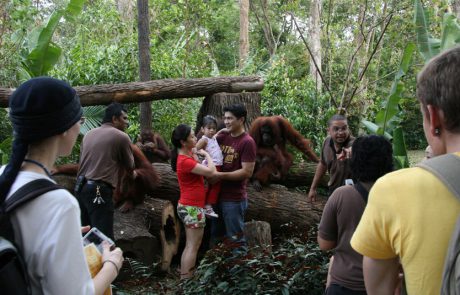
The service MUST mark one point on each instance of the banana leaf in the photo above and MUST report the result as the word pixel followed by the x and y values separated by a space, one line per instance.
pixel 450 36
pixel 400 157
pixel 42 53
pixel 375 129
pixel 93 118
pixel 427 46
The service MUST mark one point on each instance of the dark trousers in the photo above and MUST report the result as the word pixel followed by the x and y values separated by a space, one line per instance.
pixel 97 212
pixel 335 289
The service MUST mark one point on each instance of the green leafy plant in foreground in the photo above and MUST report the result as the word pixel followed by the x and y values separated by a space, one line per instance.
pixel 295 266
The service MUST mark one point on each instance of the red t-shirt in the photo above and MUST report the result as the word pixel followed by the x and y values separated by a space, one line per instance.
pixel 191 185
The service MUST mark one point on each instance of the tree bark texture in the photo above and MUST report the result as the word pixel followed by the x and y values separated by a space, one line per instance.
pixel 258 235
pixel 163 223
pixel 315 41
pixel 456 7
pixel 149 232
pixel 135 92
pixel 301 174
pixel 143 41
pixel 244 32
pixel 214 105
pixel 279 206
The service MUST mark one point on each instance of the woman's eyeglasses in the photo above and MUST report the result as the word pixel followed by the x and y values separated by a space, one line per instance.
pixel 82 120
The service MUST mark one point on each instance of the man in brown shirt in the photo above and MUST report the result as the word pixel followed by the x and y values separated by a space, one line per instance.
pixel 335 156
pixel 105 151
pixel 371 159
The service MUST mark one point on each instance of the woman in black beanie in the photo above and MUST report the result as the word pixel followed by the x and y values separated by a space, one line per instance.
pixel 45 114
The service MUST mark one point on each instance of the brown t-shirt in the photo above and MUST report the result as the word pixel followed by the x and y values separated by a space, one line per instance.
pixel 341 216
pixel 338 170
pixel 104 152
pixel 235 150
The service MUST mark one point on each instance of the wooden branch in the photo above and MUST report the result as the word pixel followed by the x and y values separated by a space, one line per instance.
pixel 314 61
pixel 135 92
pixel 369 60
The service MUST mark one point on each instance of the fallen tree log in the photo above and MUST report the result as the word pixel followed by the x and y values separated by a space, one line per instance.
pixel 279 206
pixel 163 223
pixel 301 174
pixel 149 232
pixel 275 204
pixel 133 92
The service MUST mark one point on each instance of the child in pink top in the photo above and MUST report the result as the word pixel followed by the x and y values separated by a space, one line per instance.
pixel 209 143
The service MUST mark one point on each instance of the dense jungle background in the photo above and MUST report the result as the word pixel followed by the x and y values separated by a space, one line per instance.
pixel 316 57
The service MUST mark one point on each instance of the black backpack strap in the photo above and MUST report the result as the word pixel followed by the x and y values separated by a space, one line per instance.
pixel 361 190
pixel 29 192
pixel 447 169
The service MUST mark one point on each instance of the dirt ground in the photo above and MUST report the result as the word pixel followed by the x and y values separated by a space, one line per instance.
pixel 415 156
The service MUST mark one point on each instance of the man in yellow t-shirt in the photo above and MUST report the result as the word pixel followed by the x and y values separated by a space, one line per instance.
pixel 411 214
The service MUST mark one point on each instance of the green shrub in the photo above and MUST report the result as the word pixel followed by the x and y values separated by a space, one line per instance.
pixel 295 266
pixel 297 100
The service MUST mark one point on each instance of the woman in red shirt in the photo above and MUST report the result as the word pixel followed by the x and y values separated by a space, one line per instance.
pixel 190 174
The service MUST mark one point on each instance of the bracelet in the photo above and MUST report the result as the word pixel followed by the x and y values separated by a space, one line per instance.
pixel 114 264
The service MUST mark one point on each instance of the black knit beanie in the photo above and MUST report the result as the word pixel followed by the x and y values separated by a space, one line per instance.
pixel 39 108
pixel 43 107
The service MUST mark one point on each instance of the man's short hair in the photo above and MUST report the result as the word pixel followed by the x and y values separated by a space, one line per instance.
pixel 113 109
pixel 238 110
pixel 336 118
pixel 371 158
pixel 438 84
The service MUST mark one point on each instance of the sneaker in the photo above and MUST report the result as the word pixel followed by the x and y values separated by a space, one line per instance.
pixel 208 211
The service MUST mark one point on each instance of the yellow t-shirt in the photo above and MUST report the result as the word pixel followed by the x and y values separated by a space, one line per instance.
pixel 410 214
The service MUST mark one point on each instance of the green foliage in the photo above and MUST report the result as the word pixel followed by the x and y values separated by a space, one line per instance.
pixel 297 100
pixel 429 46
pixel 40 54
pixel 387 121
pixel 294 266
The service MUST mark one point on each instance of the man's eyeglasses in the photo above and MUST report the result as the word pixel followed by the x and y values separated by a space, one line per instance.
pixel 337 129
pixel 82 120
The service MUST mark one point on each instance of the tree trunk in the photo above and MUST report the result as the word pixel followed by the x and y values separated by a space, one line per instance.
pixel 135 92
pixel 301 174
pixel 149 232
pixel 258 235
pixel 133 237
pixel 126 9
pixel 143 35
pixel 214 104
pixel 163 223
pixel 279 206
pixel 168 189
pixel 275 204
pixel 315 41
pixel 244 32
pixel 456 8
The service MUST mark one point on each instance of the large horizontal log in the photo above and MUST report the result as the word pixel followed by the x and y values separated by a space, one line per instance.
pixel 279 206
pixel 135 92
pixel 149 232
pixel 301 174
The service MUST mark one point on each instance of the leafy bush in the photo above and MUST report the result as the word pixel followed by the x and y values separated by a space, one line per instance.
pixel 297 100
pixel 295 266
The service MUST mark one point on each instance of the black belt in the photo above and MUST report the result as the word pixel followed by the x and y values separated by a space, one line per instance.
pixel 99 182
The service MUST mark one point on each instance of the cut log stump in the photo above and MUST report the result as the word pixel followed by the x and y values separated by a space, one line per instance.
pixel 163 223
pixel 258 235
